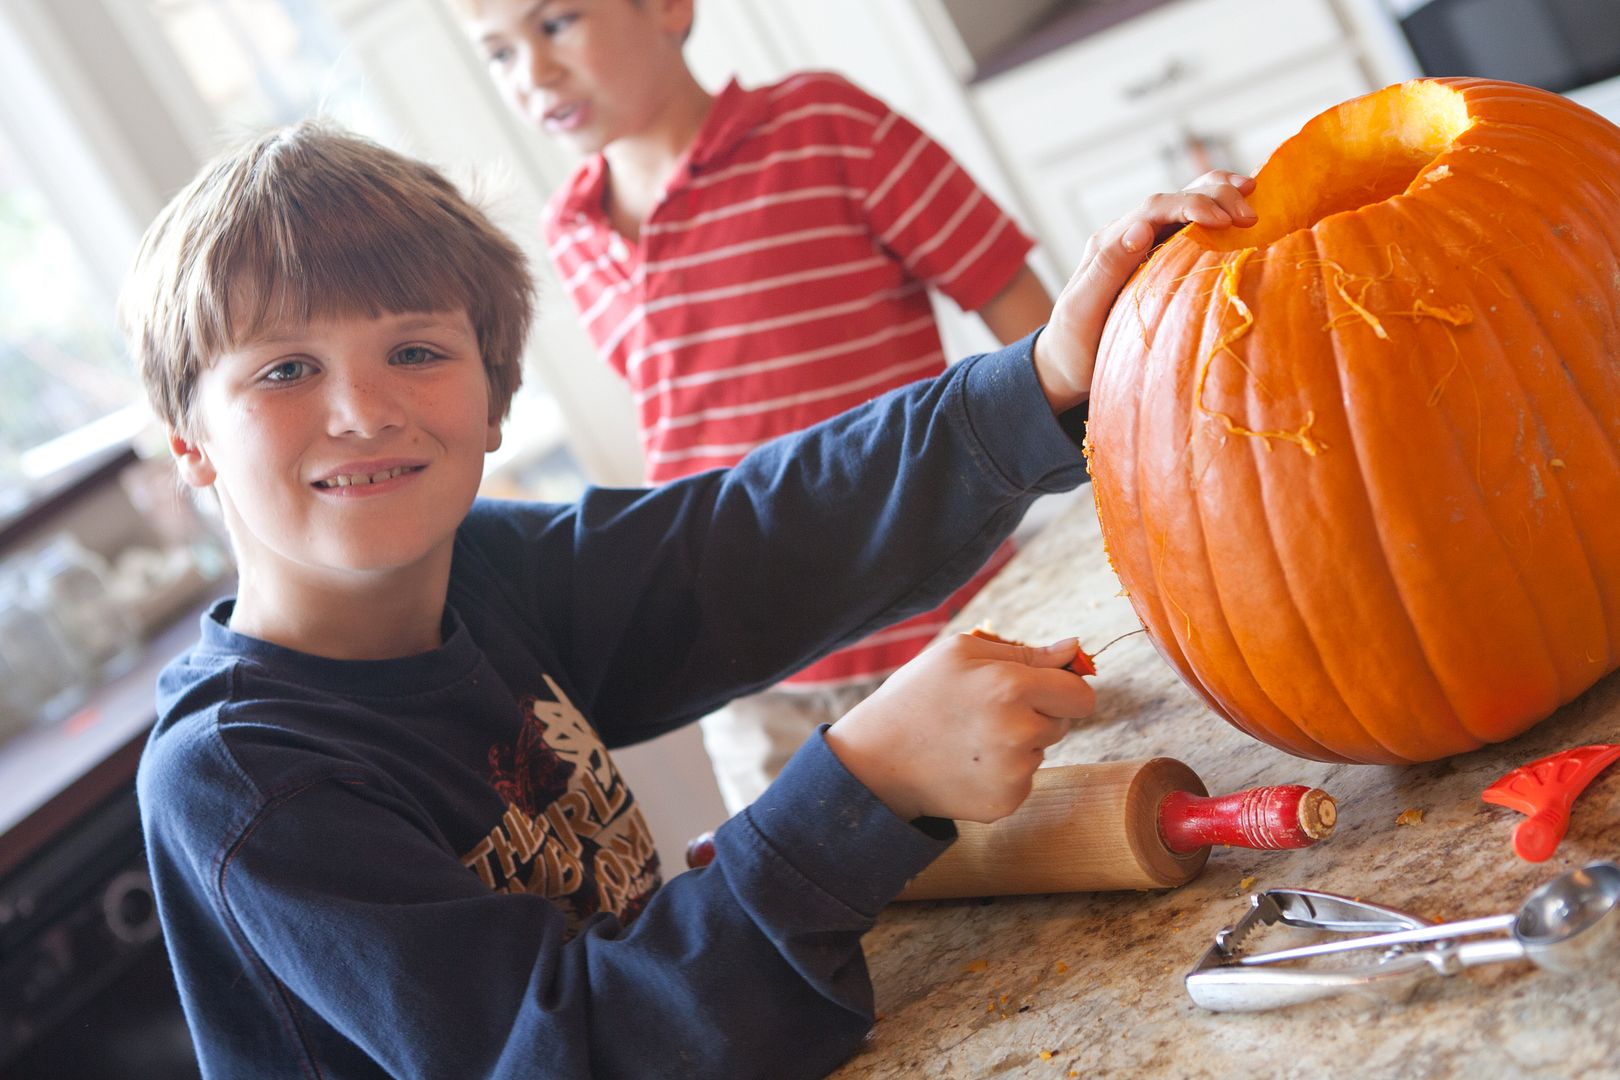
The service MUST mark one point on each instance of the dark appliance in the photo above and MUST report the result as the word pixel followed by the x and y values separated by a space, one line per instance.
pixel 85 985
pixel 1557 45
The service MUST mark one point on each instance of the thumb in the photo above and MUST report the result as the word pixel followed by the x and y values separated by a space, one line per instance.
pixel 1096 285
pixel 1056 655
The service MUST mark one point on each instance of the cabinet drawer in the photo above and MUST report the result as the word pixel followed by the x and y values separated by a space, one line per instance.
pixel 1079 192
pixel 1135 72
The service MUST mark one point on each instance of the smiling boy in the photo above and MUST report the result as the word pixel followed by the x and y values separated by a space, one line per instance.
pixel 386 834
pixel 356 495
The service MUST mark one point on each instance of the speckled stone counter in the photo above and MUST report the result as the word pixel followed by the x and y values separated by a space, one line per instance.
pixel 1091 984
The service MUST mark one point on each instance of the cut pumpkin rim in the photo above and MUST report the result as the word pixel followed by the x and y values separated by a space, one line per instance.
pixel 1357 154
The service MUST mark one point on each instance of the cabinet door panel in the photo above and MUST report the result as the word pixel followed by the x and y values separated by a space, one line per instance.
pixel 1244 127
pixel 1151 65
pixel 1083 190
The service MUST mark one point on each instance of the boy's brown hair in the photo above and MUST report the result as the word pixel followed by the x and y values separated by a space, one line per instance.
pixel 310 221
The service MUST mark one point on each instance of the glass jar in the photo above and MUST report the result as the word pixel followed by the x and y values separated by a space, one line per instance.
pixel 70 589
pixel 43 681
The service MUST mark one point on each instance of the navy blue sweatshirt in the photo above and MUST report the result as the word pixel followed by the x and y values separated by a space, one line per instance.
pixel 429 866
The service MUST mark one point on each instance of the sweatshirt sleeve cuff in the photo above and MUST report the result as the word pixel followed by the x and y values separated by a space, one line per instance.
pixel 829 828
pixel 1009 416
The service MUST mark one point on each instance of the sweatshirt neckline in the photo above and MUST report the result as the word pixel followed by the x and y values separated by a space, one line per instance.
pixel 421 672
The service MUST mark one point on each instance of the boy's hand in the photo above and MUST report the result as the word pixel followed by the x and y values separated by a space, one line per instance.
pixel 1066 351
pixel 960 730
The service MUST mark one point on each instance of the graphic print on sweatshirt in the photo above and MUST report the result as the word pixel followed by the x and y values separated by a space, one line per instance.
pixel 572 832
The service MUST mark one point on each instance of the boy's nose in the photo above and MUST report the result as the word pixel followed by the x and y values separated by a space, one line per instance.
pixel 544 71
pixel 364 406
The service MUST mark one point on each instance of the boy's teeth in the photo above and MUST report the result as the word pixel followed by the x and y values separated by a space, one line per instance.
pixel 355 479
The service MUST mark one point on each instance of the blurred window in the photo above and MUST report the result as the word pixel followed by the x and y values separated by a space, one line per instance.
pixel 256 63
pixel 62 366
pixel 67 390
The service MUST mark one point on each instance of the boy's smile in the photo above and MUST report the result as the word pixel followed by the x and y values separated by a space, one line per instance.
pixel 345 453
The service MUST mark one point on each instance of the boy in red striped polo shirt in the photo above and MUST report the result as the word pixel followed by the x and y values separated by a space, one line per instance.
pixel 751 262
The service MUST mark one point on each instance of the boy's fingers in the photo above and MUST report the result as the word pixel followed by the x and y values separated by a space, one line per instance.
pixel 1222 178
pixel 1060 694
pixel 1231 200
pixel 1055 729
pixel 1056 655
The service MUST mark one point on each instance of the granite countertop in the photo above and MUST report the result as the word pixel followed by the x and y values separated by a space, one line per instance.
pixel 1091 984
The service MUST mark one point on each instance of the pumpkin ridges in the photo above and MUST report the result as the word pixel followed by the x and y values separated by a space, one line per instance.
pixel 1152 592
pixel 1248 534
pixel 1561 124
pixel 1587 637
pixel 1117 502
pixel 1378 657
pixel 1211 645
pixel 1116 469
pixel 1452 559
pixel 1601 377
pixel 1559 392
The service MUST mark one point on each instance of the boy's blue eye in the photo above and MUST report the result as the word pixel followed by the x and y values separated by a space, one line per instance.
pixel 285 371
pixel 415 354
pixel 557 24
pixel 499 57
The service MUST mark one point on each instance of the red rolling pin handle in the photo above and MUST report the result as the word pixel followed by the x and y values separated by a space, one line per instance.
pixel 700 850
pixel 1282 816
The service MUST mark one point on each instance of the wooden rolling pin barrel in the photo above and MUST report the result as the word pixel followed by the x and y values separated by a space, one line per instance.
pixel 1144 824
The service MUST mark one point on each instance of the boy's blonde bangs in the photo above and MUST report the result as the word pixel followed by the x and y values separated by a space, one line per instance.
pixel 308 223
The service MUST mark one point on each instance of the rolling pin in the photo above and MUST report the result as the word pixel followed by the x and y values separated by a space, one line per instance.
pixel 1114 825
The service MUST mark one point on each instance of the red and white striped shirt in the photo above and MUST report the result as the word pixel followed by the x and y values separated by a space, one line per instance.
pixel 781 278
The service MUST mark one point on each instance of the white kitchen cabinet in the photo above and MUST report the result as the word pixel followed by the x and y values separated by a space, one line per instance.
pixel 1090 129
pixel 1078 192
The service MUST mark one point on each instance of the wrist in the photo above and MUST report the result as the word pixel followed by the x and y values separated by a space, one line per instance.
pixel 1056 373
pixel 874 769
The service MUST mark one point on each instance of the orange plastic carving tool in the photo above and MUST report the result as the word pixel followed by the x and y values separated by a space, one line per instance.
pixel 1083 663
pixel 1545 789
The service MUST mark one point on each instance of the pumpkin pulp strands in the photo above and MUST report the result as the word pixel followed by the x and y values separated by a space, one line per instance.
pixel 1232 274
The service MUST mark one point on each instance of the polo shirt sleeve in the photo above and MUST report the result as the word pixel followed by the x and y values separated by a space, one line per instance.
pixel 926 211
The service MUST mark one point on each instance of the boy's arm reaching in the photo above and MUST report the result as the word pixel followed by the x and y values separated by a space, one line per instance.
pixel 717 585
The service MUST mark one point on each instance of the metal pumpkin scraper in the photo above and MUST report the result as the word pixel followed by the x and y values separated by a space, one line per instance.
pixel 1566 925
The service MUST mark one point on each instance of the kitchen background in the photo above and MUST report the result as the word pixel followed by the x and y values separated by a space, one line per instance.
pixel 1067 111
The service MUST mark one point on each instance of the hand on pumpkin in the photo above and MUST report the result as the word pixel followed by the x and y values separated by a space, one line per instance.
pixel 960 730
pixel 1066 351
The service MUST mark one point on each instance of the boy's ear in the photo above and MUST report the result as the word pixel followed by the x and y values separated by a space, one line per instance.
pixel 191 460
pixel 492 441
pixel 677 16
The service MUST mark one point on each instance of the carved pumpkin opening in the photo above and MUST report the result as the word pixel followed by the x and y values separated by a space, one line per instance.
pixel 1355 155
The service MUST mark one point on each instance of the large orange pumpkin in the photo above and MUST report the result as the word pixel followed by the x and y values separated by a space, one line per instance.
pixel 1358 467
